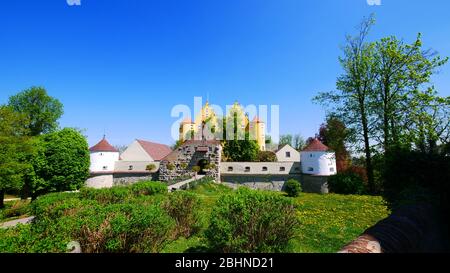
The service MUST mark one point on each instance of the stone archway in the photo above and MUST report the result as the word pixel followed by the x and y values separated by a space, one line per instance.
pixel 181 162
pixel 203 164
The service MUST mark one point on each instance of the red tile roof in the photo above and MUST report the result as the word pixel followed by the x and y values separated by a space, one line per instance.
pixel 316 146
pixel 155 150
pixel 103 146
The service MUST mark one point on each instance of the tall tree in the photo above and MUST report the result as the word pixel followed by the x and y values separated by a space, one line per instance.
pixel 237 145
pixel 401 70
pixel 351 103
pixel 42 110
pixel 14 148
pixel 335 135
pixel 298 142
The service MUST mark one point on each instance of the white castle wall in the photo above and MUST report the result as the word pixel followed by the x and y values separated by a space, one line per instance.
pixel 318 163
pixel 260 168
pixel 100 181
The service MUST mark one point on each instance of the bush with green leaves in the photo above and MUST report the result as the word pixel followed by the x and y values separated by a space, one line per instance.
pixel 148 188
pixel 346 183
pixel 124 228
pixel 251 221
pixel 150 167
pixel 105 196
pixel 293 188
pixel 183 207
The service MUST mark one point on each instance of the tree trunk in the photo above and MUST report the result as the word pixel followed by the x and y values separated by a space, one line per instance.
pixel 2 197
pixel 369 166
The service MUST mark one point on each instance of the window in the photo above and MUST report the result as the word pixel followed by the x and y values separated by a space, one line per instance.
pixel 288 154
pixel 310 155
pixel 230 169
pixel 282 169
pixel 130 168
pixel 310 169
pixel 101 154
pixel 264 169
pixel 247 169
pixel 105 168
pixel 332 170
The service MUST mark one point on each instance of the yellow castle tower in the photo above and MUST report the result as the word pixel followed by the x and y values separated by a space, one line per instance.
pixel 207 117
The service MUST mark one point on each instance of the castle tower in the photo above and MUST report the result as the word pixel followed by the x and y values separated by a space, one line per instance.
pixel 317 159
pixel 103 157
pixel 187 129
pixel 258 130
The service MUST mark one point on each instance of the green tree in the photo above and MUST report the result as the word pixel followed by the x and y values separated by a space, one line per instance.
pixel 237 145
pixel 14 148
pixel 351 102
pixel 401 70
pixel 62 162
pixel 335 135
pixel 42 110
pixel 286 140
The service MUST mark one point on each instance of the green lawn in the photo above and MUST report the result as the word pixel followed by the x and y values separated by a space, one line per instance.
pixel 328 222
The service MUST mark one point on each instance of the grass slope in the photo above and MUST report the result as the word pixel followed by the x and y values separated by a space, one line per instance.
pixel 328 222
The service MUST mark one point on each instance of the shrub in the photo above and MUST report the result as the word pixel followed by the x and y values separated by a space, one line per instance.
pixel 124 228
pixel 196 169
pixel 346 183
pixel 148 188
pixel 183 207
pixel 150 167
pixel 170 166
pixel 17 208
pixel 105 196
pixel 267 156
pixel 293 188
pixel 52 205
pixel 183 165
pixel 252 221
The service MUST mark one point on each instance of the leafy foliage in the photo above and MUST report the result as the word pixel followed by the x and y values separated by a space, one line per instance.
pixel 252 221
pixel 42 110
pixel 346 183
pixel 184 208
pixel 267 156
pixel 62 163
pixel 293 188
pixel 15 149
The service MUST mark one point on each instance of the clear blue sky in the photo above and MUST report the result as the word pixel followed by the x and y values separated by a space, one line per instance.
pixel 121 66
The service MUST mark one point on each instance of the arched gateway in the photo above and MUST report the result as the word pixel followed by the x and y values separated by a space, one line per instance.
pixel 206 154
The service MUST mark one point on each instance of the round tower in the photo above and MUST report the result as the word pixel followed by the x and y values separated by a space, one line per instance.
pixel 317 159
pixel 103 157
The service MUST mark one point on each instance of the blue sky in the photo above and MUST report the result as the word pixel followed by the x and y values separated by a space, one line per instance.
pixel 120 66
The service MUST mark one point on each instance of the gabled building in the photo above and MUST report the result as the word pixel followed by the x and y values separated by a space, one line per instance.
pixel 287 153
pixel 140 161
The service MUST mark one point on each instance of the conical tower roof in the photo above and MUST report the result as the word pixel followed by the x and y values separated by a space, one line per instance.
pixel 316 146
pixel 103 146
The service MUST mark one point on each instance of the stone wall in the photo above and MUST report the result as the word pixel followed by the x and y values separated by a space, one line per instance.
pixel 260 168
pixel 311 184
pixel 181 161
pixel 129 178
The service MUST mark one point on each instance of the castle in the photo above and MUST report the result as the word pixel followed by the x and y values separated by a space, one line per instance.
pixel 208 126
pixel 201 146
